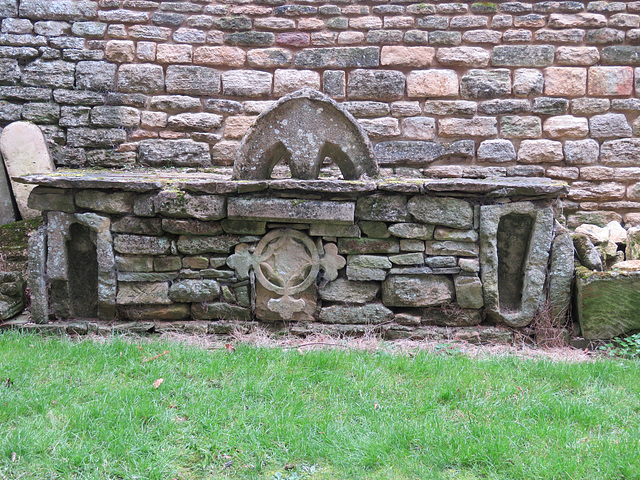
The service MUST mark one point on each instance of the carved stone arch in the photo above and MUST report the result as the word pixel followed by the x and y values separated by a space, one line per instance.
pixel 309 126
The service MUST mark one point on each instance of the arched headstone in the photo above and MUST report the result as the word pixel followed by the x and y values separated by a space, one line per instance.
pixel 302 129
pixel 25 152
pixel 7 209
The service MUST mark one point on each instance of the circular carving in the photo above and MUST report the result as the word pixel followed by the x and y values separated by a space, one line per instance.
pixel 286 262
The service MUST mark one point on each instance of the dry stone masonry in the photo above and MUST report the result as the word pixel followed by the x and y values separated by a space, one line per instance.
pixel 446 89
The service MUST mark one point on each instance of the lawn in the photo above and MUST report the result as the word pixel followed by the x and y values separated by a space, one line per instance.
pixel 89 409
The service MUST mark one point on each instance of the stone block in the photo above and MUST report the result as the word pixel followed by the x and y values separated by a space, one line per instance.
pixel 527 82
pixel 264 312
pixel 289 80
pixel 623 152
pixel 184 205
pixel 100 201
pixel 134 264
pixel 141 245
pixel 357 273
pixel 338 57
pixel 399 56
pixel 334 83
pixel 566 126
pixel 269 58
pixel 166 264
pixel 609 125
pixel 191 227
pixel 367 245
pixel 141 78
pixel 201 121
pixel 469 57
pixel 577 55
pixel 417 290
pixel 196 245
pixel 192 80
pixel 432 83
pixel 540 151
pixel 332 230
pixel 453 234
pixel 138 293
pixel 98 76
pixel 370 314
pixel 246 83
pixel 290 210
pixel 108 116
pixel 183 153
pixel 478 84
pixel 632 250
pixel 389 208
pixel 496 151
pixel 451 248
pixel 522 55
pixel 469 292
pixel 381 127
pixel 412 230
pixel 137 225
pixel 407 259
pixel 250 39
pixel 419 128
pixel 376 84
pixel 188 291
pixel 610 81
pixel 620 55
pixel 450 212
pixel 565 81
pixel 464 127
pixel 561 276
pixel 345 291
pixel 607 303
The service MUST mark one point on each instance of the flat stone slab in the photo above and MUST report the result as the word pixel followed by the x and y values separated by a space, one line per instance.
pixel 25 152
pixel 219 182
pixel 291 210
pixel 607 303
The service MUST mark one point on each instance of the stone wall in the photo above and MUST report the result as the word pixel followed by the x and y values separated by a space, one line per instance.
pixel 326 255
pixel 443 89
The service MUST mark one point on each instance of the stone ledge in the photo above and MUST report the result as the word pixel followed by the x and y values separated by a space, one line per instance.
pixel 221 183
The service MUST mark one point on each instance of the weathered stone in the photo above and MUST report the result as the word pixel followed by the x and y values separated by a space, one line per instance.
pixel 412 230
pixel 561 276
pixel 222 311
pixel 338 57
pixel 565 81
pixel 450 107
pixel 625 151
pixel 134 264
pixel 192 80
pixel 596 234
pixel 381 127
pixel 419 128
pixel 37 253
pixel 610 81
pixel 269 305
pixel 398 56
pixel 581 152
pixel 540 151
pixel 242 227
pixel 184 153
pixel 469 292
pixel 370 314
pixel 367 245
pixel 566 126
pixel 515 240
pixel 357 273
pixel 290 210
pixel 463 56
pixel 607 303
pixel 195 245
pixel 479 84
pixel 450 212
pixel 432 83
pixel 609 125
pixel 289 80
pixel 187 291
pixel 527 82
pixel 330 230
pixel 447 247
pixel 577 55
pixel 632 251
pixel 550 106
pixel 476 127
pixel 141 78
pixel 117 202
pixel 419 153
pixel 586 252
pixel 417 290
pixel 370 261
pixel 470 265
pixel 502 106
pixel 376 84
pixel 522 55
pixel 95 137
pixel 25 152
pixel 347 144
pixel 141 245
pixel 374 229
pixel 620 55
pixel 12 294
pixel 455 235
pixel 108 116
pixel 391 208
pixel 407 259
pixel 343 290
pixel 154 293
pixel 195 121
pixel 496 151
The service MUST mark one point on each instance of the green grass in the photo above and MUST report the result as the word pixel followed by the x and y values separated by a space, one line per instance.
pixel 85 410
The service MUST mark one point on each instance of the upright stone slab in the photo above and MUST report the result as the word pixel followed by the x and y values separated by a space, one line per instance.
pixel 25 152
pixel 8 213
pixel 515 240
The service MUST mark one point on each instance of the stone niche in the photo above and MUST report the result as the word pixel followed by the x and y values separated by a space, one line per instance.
pixel 342 254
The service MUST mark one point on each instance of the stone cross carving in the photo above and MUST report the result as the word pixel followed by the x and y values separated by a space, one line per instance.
pixel 302 129
pixel 287 262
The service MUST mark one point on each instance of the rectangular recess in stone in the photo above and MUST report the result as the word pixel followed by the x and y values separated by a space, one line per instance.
pixel 291 210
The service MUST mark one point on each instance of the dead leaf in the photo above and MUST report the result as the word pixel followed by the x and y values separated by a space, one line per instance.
pixel 158 382
pixel 157 356
pixel 229 347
